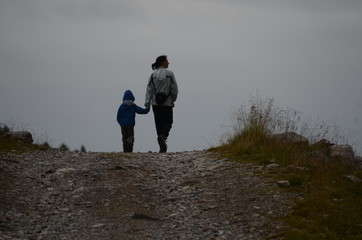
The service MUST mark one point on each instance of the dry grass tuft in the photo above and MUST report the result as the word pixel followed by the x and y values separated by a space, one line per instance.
pixel 330 207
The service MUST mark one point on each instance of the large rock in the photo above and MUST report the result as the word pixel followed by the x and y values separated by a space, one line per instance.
pixel 23 136
pixel 290 137
pixel 358 161
pixel 342 151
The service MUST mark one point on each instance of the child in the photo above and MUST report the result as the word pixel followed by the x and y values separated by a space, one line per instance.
pixel 126 118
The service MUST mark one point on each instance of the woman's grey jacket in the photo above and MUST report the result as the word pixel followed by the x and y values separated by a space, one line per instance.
pixel 161 80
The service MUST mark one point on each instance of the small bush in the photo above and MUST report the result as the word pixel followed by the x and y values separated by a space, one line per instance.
pixel 4 129
pixel 262 116
pixel 45 145
pixel 64 147
pixel 82 149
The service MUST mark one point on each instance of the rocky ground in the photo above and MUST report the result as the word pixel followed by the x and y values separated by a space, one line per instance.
pixel 187 195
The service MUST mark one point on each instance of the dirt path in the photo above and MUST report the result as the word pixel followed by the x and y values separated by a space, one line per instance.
pixel 187 195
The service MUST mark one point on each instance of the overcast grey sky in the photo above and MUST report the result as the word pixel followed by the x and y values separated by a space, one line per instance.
pixel 64 65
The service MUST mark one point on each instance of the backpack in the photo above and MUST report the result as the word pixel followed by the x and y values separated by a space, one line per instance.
pixel 160 97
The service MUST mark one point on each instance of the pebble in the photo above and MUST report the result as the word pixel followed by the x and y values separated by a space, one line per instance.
pixel 58 194
pixel 283 183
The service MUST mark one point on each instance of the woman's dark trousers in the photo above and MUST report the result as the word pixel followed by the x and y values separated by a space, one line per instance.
pixel 127 138
pixel 163 120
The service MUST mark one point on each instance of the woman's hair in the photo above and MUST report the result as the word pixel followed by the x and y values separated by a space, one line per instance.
pixel 158 61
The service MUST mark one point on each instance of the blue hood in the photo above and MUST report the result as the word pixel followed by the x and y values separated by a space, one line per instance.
pixel 128 95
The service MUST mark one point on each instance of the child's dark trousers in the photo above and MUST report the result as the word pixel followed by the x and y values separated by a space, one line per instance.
pixel 127 138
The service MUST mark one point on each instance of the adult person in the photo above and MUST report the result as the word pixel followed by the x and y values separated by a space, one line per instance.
pixel 162 84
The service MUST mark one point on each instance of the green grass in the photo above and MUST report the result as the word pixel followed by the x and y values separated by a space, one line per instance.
pixel 15 146
pixel 331 204
pixel 331 208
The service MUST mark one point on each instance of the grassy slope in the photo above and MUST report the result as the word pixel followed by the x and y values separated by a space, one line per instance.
pixel 330 207
pixel 12 145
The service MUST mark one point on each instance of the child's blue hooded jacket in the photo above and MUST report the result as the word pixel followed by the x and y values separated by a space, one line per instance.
pixel 126 114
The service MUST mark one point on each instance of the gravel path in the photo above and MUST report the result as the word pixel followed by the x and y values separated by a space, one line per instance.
pixel 186 195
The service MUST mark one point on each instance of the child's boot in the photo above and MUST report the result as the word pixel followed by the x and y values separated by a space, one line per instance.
pixel 125 148
pixel 130 142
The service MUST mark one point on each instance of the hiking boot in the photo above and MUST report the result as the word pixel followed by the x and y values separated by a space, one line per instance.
pixel 162 142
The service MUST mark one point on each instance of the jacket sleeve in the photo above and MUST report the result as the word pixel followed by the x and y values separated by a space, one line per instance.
pixel 173 88
pixel 149 93
pixel 140 110
pixel 119 115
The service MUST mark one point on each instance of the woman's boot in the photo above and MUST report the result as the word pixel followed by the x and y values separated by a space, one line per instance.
pixel 162 142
